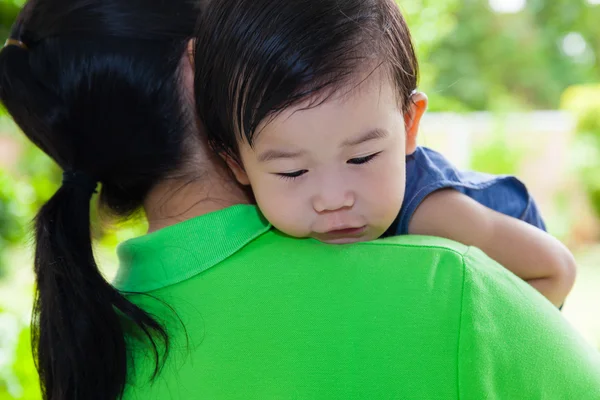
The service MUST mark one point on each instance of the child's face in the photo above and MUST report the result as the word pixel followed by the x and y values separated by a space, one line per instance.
pixel 335 172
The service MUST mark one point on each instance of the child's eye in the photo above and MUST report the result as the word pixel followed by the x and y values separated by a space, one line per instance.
pixel 363 160
pixel 291 175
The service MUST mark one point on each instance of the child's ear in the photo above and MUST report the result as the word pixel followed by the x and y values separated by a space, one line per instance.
pixel 190 51
pixel 238 171
pixel 412 119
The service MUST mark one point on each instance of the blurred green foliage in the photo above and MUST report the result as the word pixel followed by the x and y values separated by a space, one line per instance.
pixel 473 58
pixel 497 156
pixel 584 102
pixel 20 380
pixel 23 189
pixel 11 213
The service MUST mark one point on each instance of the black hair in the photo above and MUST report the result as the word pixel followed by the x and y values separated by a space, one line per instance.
pixel 95 84
pixel 255 58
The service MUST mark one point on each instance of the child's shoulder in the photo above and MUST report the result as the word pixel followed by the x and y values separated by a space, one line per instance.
pixel 427 167
pixel 428 171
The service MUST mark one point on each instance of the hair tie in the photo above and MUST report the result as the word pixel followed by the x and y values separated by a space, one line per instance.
pixel 15 42
pixel 80 180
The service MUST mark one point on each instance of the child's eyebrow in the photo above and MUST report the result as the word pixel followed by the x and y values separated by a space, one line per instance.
pixel 270 155
pixel 371 135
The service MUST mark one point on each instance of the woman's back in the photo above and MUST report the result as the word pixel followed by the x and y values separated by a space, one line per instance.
pixel 408 317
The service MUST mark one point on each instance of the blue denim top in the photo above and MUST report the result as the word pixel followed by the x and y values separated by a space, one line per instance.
pixel 428 171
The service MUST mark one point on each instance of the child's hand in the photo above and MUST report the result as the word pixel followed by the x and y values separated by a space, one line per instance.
pixel 530 253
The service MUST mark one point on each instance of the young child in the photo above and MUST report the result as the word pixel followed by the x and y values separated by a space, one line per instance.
pixel 313 104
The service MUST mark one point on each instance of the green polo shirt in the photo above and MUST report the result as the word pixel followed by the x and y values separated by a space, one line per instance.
pixel 253 314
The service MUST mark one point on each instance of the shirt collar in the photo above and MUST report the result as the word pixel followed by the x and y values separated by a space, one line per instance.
pixel 178 252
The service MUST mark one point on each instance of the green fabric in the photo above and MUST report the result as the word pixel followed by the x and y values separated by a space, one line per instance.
pixel 270 317
pixel 179 252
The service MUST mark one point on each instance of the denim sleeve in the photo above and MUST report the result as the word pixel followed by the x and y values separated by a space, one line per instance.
pixel 533 216
pixel 428 171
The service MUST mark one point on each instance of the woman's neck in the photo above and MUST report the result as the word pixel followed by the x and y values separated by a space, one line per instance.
pixel 205 184
pixel 177 200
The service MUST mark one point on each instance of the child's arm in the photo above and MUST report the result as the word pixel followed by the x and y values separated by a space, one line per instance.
pixel 530 253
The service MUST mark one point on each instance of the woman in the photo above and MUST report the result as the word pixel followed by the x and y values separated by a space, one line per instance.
pixel 213 303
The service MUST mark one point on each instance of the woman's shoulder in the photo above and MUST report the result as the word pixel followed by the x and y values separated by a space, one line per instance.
pixel 239 236
pixel 420 264
pixel 395 247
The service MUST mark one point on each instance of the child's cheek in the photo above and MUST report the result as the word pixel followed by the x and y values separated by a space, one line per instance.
pixel 386 191
pixel 281 203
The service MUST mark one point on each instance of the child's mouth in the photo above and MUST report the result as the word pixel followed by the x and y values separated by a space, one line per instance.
pixel 341 236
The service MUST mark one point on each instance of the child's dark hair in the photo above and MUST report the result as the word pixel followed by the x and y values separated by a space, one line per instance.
pixel 255 58
pixel 95 84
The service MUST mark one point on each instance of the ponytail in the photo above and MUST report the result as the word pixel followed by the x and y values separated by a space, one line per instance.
pixel 78 334
pixel 80 323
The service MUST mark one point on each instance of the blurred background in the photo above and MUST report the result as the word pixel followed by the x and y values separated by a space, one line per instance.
pixel 514 88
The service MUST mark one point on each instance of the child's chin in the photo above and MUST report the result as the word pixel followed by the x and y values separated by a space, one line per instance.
pixel 345 240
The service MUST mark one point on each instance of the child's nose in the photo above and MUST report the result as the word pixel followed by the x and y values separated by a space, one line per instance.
pixel 333 199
